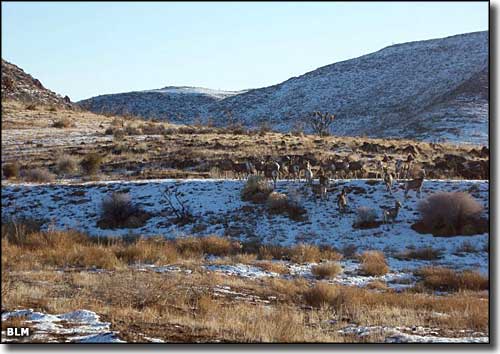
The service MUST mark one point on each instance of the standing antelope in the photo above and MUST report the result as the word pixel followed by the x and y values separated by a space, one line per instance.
pixel 342 200
pixel 295 169
pixel 323 185
pixel 399 168
pixel 309 173
pixel 388 180
pixel 345 167
pixel 379 169
pixel 415 184
pixel 407 165
pixel 392 213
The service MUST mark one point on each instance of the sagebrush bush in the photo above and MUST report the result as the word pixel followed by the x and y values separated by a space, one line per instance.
pixel 373 263
pixel 63 123
pixel 11 170
pixel 256 189
pixel 41 175
pixel 448 213
pixel 426 253
pixel 279 203
pixel 365 216
pixel 326 270
pixel 91 163
pixel 66 164
pixel 118 211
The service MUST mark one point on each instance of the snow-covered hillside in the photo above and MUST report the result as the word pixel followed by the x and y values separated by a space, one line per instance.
pixel 176 104
pixel 438 88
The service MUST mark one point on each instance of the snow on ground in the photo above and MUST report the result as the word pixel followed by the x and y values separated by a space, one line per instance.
pixel 80 326
pixel 412 335
pixel 218 210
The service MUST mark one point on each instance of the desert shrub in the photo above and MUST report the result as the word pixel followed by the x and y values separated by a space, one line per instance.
pixel 466 247
pixel 118 211
pixel 218 246
pixel 18 231
pixel 269 252
pixel 40 175
pixel 326 270
pixel 302 253
pixel 109 131
pixel 322 295
pixel 118 134
pixel 426 253
pixel 449 213
pixel 153 129
pixel 11 170
pixel 66 164
pixel 365 216
pixel 373 263
pixel 91 163
pixel 132 130
pixel 63 123
pixel 256 190
pixel 279 203
pixel 349 250
pixel 444 279
pixel 31 107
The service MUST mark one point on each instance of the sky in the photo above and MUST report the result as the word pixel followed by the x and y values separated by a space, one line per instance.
pixel 88 49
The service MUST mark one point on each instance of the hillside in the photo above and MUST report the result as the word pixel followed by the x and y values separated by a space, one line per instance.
pixel 178 104
pixel 18 85
pixel 439 88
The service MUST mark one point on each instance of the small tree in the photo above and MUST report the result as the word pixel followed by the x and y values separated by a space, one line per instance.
pixel 320 122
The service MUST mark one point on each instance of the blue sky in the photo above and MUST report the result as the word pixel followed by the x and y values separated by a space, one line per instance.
pixel 87 49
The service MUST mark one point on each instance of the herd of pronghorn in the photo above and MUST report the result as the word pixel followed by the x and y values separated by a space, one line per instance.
pixel 297 167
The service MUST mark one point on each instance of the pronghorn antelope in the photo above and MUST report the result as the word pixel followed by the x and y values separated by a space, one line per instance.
pixel 344 167
pixel 355 167
pixel 342 200
pixel 415 184
pixel 323 184
pixel 388 180
pixel 309 173
pixel 407 165
pixel 399 168
pixel 274 169
pixel 379 169
pixel 392 213
pixel 294 169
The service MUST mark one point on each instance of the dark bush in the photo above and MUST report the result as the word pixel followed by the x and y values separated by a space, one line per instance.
pixel 118 211
pixel 11 170
pixel 91 163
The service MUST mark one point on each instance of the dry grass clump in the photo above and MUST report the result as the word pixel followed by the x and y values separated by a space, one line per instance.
pixel 256 190
pixel 373 263
pixel 149 251
pixel 11 170
pixel 40 175
pixel 208 245
pixel 444 279
pixel 91 163
pixel 300 253
pixel 274 267
pixel 279 203
pixel 426 253
pixel 63 123
pixel 118 211
pixel 321 295
pixel 450 213
pixel 326 270
pixel 66 164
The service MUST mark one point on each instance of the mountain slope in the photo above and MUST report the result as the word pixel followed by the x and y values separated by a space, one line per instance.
pixel 17 85
pixel 177 104
pixel 430 90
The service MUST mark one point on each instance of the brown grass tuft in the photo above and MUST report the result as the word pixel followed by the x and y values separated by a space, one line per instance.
pixel 326 270
pixel 373 263
pixel 444 279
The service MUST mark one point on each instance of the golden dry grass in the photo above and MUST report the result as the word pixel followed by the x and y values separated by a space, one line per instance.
pixel 438 278
pixel 373 263
pixel 326 270
pixel 180 307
